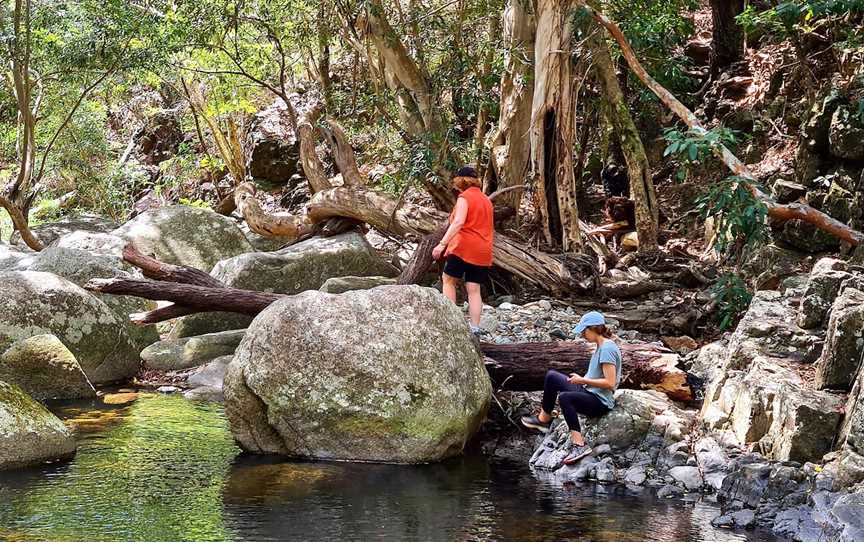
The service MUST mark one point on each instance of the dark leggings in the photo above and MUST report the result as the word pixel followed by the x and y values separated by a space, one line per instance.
pixel 574 399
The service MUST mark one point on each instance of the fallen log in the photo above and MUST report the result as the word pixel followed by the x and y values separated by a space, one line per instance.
pixel 523 366
pixel 157 270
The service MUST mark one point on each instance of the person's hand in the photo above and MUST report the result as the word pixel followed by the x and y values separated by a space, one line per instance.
pixel 576 379
pixel 438 251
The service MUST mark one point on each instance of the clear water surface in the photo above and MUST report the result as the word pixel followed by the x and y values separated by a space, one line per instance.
pixel 160 468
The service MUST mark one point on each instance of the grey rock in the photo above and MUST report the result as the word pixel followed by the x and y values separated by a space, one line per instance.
pixel 205 394
pixel 804 423
pixel 79 266
pixel 689 477
pixel 185 235
pixel 822 288
pixel 9 256
pixel 805 237
pixel 210 375
pixel 604 473
pixel 846 134
pixel 339 285
pixel 51 231
pixel 272 151
pixel 34 303
pixel 785 191
pixel 179 354
pixel 744 519
pixel 635 475
pixel 414 394
pixel 669 491
pixel 45 369
pixel 299 267
pixel 29 434
pixel 844 343
pixel 92 242
pixel 167 389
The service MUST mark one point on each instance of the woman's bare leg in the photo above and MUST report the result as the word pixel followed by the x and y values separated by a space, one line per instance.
pixel 449 287
pixel 475 302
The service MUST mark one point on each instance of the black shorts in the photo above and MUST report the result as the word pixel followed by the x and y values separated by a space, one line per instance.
pixel 458 268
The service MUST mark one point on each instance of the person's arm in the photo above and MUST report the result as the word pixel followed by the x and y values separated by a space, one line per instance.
pixel 459 216
pixel 607 382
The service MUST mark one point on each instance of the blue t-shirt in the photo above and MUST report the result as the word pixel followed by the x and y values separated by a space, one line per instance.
pixel 607 352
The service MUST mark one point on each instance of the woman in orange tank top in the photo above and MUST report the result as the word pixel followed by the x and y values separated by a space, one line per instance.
pixel 467 244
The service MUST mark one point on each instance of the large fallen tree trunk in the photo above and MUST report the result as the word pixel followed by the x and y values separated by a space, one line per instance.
pixel 518 367
pixel 776 211
pixel 523 366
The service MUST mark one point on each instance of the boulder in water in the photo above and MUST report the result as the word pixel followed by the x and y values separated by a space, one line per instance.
pixel 185 235
pixel 34 303
pixel 29 434
pixel 299 267
pixel 44 368
pixel 386 375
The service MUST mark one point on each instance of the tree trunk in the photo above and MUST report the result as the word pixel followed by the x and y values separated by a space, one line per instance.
pixel 510 158
pixel 421 260
pixel 727 41
pixel 19 221
pixel 641 184
pixel 156 270
pixel 776 211
pixel 552 125
pixel 523 366
pixel 264 223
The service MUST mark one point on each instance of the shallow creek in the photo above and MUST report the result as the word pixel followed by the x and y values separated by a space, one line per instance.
pixel 160 468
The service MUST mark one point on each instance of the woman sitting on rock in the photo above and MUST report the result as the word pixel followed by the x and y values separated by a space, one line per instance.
pixel 467 243
pixel 590 395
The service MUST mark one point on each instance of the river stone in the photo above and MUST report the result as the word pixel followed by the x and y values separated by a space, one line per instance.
pixel 45 369
pixel 846 134
pixel 185 235
pixel 210 375
pixel 844 343
pixel 78 266
pixel 338 285
pixel 34 303
pixel 179 354
pixel 51 231
pixel 821 290
pixel 315 378
pixel 299 267
pixel 687 476
pixel 29 434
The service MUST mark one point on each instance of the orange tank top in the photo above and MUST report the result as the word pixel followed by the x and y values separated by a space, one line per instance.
pixel 473 243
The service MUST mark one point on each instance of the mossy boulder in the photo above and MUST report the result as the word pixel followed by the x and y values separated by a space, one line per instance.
pixel 29 434
pixel 43 367
pixel 185 235
pixel 79 266
pixel 179 354
pixel 34 303
pixel 390 375
pixel 297 268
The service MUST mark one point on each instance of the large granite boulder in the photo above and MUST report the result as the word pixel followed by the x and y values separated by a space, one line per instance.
pixel 315 378
pixel 9 256
pixel 758 392
pixel 185 235
pixel 45 369
pixel 299 267
pixel 822 288
pixel 29 434
pixel 844 342
pixel 34 303
pixel 51 231
pixel 79 266
pixel 179 354
pixel 92 242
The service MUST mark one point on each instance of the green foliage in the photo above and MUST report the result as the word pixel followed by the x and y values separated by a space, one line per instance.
pixel 739 217
pixel 732 296
pixel 694 148
pixel 787 19
pixel 199 203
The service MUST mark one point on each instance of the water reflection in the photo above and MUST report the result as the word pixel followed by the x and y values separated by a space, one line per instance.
pixel 154 468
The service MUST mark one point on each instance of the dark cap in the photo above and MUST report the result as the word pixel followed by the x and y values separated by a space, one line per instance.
pixel 466 171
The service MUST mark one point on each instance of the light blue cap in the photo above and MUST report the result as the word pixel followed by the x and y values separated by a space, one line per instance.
pixel 588 319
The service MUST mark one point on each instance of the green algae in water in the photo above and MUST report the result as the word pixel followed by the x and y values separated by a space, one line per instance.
pixel 155 472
